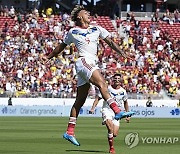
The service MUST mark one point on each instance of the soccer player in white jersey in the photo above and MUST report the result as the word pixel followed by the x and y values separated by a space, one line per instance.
pixel 120 95
pixel 85 38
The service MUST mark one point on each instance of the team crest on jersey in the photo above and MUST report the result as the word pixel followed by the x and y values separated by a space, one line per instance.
pixel 75 31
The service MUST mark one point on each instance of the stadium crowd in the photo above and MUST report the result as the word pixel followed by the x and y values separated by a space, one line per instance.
pixel 25 38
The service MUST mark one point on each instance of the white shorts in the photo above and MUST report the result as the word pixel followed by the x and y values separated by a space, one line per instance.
pixel 109 114
pixel 84 69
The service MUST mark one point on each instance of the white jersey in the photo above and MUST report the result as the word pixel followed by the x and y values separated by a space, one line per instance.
pixel 86 40
pixel 119 95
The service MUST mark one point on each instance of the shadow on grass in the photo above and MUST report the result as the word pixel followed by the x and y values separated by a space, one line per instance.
pixel 13 151
pixel 93 151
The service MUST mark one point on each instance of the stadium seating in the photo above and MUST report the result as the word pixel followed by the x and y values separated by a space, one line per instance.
pixel 51 88
pixel 173 29
pixel 105 22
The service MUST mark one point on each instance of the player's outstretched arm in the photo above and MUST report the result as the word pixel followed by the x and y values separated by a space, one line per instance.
pixel 96 101
pixel 115 47
pixel 126 106
pixel 57 50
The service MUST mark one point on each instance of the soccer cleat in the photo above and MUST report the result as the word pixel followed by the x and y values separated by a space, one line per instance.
pixel 123 114
pixel 104 122
pixel 112 151
pixel 130 113
pixel 71 139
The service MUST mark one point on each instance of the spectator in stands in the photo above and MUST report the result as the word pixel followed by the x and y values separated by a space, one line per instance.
pixel 6 11
pixel 178 104
pixel 128 28
pixel 10 101
pixel 49 12
pixel 149 102
pixel 137 26
pixel 132 18
pixel 176 16
pixel 118 22
pixel 171 19
pixel 128 17
pixel 12 12
pixel 155 16
pixel 6 27
pixel 166 18
pixel 1 10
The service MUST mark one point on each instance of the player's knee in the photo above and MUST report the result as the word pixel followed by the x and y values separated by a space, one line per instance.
pixel 110 129
pixel 115 134
pixel 79 103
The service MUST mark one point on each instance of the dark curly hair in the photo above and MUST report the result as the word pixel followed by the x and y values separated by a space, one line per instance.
pixel 75 12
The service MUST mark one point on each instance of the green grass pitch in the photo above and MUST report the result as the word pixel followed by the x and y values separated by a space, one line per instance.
pixel 42 135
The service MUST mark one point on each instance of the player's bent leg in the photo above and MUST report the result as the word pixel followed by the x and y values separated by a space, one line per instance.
pixel 98 80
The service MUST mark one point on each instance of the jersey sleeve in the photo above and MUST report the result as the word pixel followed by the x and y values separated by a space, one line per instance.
pixel 68 38
pixel 125 97
pixel 103 32
pixel 99 95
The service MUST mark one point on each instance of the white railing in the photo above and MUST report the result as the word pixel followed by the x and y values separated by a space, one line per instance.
pixel 91 95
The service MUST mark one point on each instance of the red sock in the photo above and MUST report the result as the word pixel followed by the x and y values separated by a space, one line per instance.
pixel 113 105
pixel 110 140
pixel 71 126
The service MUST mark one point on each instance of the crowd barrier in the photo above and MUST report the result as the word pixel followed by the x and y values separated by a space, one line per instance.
pixel 89 102
pixel 61 107
pixel 63 111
